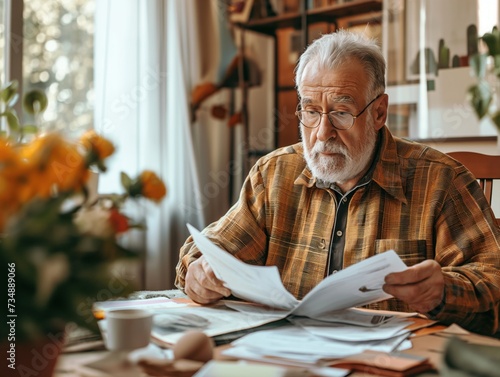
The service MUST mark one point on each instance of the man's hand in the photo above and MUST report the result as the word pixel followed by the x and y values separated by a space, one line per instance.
pixel 201 285
pixel 420 286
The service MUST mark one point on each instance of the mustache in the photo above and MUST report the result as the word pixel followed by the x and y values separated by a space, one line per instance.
pixel 328 147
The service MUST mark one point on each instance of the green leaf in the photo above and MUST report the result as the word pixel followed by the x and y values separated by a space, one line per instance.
pixel 12 120
pixel 101 166
pixel 496 60
pixel 125 180
pixel 12 101
pixel 35 102
pixel 480 98
pixel 29 129
pixel 496 119
pixel 478 65
pixel 492 41
pixel 9 91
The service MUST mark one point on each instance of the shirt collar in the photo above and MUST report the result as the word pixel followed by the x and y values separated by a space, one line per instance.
pixel 385 171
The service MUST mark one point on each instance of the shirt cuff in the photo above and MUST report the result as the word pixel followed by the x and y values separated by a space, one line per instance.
pixel 438 309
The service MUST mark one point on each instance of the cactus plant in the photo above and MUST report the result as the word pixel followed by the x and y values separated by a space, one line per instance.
pixel 443 55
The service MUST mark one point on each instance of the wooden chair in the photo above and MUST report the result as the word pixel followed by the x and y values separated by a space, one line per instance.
pixel 486 168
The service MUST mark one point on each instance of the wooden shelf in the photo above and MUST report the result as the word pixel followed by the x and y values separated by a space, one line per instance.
pixel 343 10
pixel 269 25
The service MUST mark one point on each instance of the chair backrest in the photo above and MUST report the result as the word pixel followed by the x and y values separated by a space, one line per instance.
pixel 485 168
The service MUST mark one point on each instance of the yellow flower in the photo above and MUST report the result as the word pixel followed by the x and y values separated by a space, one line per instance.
pixel 9 159
pixel 9 164
pixel 57 239
pixel 152 187
pixel 98 145
pixel 54 163
pixel 12 179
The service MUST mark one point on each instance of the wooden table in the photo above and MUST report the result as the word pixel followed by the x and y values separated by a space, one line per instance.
pixel 428 342
pixel 429 345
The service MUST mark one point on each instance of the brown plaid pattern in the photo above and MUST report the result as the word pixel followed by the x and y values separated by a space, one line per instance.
pixel 420 202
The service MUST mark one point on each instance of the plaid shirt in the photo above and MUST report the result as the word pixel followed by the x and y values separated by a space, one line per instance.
pixel 419 202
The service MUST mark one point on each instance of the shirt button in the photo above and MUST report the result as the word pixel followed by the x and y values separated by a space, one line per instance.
pixel 339 233
pixel 344 200
pixel 322 244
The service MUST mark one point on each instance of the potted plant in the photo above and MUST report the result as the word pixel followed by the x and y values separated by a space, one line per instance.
pixel 58 244
pixel 484 96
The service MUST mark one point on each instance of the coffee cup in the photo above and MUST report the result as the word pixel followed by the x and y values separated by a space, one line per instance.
pixel 128 329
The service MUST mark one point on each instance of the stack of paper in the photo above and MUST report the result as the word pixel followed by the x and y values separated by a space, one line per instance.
pixel 324 324
pixel 308 341
pixel 262 284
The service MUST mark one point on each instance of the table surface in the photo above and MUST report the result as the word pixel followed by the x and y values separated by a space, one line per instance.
pixel 429 343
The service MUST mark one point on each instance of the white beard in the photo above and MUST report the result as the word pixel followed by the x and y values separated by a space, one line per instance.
pixel 344 166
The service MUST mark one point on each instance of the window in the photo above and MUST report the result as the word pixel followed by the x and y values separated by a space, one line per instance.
pixel 428 73
pixel 2 41
pixel 57 58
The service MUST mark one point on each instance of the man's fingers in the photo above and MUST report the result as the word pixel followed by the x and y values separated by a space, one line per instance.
pixel 202 296
pixel 420 286
pixel 202 286
pixel 210 281
pixel 414 274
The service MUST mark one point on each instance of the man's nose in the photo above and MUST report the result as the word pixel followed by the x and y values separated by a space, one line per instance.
pixel 326 130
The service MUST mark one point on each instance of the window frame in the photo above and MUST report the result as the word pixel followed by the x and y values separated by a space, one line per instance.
pixel 14 41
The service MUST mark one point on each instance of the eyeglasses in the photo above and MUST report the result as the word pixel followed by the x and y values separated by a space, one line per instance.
pixel 341 120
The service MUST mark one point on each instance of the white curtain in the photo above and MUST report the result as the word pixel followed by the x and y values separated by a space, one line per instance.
pixel 146 61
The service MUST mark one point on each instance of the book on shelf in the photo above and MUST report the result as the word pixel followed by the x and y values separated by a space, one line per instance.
pixel 240 10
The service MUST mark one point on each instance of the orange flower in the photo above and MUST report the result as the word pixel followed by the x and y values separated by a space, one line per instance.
pixel 202 92
pixel 98 145
pixel 11 161
pixel 152 187
pixel 54 163
pixel 10 168
pixel 234 119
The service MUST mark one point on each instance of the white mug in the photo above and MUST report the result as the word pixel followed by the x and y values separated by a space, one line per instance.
pixel 128 329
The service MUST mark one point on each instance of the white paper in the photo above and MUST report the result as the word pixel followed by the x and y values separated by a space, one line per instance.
pixel 296 343
pixel 261 284
pixel 358 316
pixel 216 368
pixel 221 320
pixel 150 304
pixel 359 284
pixel 311 364
pixel 349 333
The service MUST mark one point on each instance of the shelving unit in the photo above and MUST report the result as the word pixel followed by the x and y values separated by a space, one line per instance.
pixel 329 13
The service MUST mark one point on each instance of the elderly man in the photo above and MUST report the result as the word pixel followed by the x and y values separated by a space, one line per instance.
pixel 350 190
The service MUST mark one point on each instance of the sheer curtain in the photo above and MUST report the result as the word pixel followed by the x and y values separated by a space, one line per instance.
pixel 147 56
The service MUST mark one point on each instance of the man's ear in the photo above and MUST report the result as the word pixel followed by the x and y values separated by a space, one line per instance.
pixel 379 111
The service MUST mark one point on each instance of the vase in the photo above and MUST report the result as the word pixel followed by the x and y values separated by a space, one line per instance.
pixel 36 358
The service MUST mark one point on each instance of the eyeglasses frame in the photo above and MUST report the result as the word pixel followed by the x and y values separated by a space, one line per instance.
pixel 354 117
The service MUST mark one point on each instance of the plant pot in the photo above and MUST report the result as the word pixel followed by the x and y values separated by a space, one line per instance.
pixel 35 358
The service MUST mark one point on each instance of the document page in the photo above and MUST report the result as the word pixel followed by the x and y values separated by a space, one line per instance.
pixel 359 284
pixel 260 284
